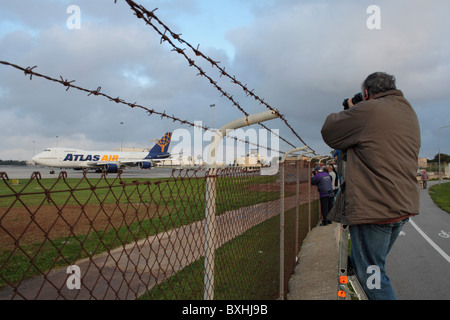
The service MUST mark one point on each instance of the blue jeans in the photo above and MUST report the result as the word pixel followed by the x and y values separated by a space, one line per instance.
pixel 371 244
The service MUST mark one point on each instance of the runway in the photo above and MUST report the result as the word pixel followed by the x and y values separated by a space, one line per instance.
pixel 17 172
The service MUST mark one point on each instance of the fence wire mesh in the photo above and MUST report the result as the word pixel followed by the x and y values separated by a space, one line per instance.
pixel 117 238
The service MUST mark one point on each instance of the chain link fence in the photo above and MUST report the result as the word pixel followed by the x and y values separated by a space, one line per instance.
pixel 117 238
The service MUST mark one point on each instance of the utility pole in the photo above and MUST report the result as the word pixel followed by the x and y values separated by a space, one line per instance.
pixel 439 134
pixel 212 106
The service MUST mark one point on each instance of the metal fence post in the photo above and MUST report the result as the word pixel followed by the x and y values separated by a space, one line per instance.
pixel 282 162
pixel 297 213
pixel 211 180
pixel 210 233
pixel 309 195
pixel 282 231
pixel 439 172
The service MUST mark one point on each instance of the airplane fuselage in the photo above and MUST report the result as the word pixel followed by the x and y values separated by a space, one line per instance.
pixel 74 158
pixel 109 160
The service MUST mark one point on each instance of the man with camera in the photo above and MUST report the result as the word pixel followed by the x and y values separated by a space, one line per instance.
pixel 379 137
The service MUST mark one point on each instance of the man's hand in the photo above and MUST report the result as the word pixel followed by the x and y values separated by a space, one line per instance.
pixel 350 103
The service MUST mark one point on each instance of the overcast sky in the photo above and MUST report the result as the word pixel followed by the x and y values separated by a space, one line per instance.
pixel 302 57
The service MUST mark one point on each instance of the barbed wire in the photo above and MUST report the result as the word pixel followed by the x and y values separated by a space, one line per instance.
pixel 147 16
pixel 142 13
pixel 70 84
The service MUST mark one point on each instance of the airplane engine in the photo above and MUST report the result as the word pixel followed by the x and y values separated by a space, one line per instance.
pixel 112 168
pixel 145 165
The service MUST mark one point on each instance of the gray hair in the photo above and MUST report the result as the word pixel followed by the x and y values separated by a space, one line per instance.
pixel 378 82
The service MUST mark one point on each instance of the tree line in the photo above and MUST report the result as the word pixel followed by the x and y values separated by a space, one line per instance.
pixel 12 163
pixel 444 158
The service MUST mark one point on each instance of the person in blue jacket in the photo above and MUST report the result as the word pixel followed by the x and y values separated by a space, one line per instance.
pixel 322 180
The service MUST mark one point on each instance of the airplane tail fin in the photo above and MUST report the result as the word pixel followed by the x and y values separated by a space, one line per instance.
pixel 162 145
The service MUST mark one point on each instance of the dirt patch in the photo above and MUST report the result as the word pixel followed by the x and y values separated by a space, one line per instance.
pixel 34 225
pixel 291 188
pixel 27 225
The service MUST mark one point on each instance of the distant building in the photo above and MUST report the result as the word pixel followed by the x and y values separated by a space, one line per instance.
pixel 423 163
pixel 251 160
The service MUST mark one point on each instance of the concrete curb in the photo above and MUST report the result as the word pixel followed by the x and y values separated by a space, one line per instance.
pixel 315 276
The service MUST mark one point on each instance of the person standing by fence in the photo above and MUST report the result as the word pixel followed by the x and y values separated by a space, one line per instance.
pixel 334 181
pixel 323 181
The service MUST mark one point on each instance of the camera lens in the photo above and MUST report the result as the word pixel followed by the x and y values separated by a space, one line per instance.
pixel 345 104
pixel 356 99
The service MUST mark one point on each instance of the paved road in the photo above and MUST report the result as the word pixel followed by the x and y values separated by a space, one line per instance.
pixel 419 263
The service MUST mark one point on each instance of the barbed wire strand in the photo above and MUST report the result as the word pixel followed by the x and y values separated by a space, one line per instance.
pixel 70 84
pixel 142 13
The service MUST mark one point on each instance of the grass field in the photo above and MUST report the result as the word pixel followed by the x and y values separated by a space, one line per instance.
pixel 250 257
pixel 441 195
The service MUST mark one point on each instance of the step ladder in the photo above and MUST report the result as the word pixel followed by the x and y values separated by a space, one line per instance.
pixel 346 274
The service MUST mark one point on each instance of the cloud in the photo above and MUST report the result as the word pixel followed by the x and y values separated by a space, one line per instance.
pixel 307 57
pixel 126 60
pixel 302 57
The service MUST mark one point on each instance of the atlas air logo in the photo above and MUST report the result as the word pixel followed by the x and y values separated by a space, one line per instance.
pixel 89 157
pixel 164 141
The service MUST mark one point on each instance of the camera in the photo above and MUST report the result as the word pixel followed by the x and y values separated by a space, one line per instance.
pixel 357 98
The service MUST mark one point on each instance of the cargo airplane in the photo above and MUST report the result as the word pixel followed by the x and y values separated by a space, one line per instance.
pixel 111 161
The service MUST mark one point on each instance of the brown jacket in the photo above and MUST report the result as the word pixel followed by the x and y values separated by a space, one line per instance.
pixel 381 138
